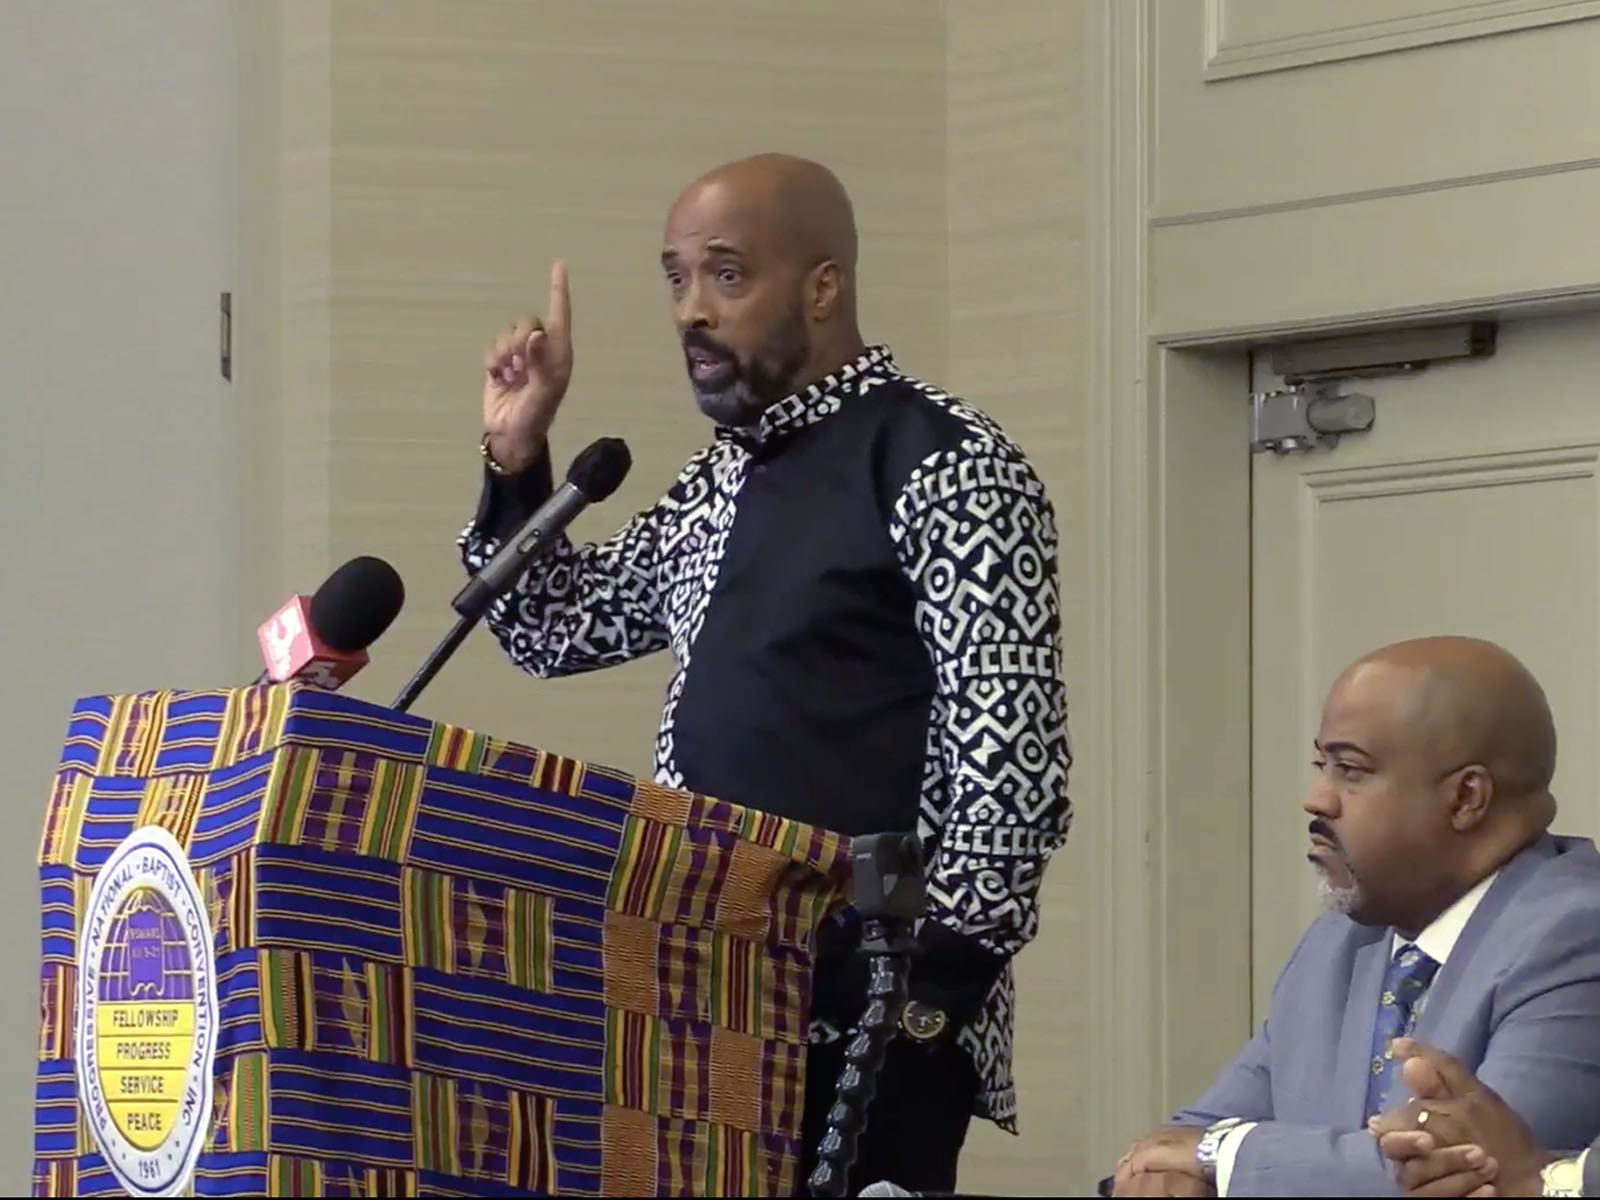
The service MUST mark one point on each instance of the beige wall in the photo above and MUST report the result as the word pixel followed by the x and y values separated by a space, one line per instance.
pixel 1018 203
pixel 118 435
pixel 424 161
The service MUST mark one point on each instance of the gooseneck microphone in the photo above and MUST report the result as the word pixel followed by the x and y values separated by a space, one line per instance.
pixel 595 474
pixel 322 639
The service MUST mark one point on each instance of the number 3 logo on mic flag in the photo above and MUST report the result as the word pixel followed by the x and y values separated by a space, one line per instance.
pixel 280 638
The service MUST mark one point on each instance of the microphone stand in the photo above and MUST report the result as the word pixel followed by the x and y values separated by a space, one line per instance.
pixel 431 665
pixel 890 894
pixel 471 602
pixel 593 476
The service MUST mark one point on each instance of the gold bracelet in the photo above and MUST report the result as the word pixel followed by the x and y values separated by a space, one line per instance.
pixel 488 459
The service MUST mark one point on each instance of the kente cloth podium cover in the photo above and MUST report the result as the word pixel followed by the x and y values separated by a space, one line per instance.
pixel 296 944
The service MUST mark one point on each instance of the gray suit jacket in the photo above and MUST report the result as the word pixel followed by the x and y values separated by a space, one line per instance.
pixel 1518 1002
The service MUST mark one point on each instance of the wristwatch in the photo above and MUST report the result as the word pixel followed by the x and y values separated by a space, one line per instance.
pixel 1205 1154
pixel 1564 1177
pixel 922 1022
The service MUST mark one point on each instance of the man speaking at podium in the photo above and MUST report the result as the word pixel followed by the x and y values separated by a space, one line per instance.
pixel 857 579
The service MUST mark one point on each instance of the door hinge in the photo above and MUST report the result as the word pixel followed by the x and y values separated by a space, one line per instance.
pixel 1306 417
pixel 225 337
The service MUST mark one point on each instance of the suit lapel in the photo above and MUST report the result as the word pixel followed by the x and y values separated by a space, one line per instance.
pixel 1355 1039
pixel 1511 878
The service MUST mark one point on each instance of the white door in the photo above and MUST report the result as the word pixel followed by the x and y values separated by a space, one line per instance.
pixel 1471 507
pixel 1319 165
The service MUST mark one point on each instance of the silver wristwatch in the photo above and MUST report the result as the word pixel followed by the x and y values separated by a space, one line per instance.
pixel 1564 1177
pixel 1205 1154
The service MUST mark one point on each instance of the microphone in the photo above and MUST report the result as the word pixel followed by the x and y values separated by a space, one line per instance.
pixel 885 1187
pixel 597 472
pixel 322 639
pixel 594 475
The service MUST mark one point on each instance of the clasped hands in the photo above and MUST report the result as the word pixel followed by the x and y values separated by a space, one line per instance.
pixel 1163 1164
pixel 1457 1137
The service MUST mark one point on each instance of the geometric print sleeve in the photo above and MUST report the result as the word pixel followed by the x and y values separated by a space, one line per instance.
pixel 976 535
pixel 580 608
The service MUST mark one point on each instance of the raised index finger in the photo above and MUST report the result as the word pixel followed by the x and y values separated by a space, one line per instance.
pixel 558 321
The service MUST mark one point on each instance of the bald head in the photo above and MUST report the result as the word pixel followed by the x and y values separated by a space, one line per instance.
pixel 761 258
pixel 1474 702
pixel 799 204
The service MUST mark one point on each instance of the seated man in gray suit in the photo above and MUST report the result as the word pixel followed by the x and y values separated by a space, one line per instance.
pixel 1457 1137
pixel 1455 915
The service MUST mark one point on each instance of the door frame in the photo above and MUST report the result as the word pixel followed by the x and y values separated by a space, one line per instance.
pixel 1164 732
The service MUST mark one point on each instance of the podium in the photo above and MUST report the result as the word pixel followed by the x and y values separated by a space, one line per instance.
pixel 297 944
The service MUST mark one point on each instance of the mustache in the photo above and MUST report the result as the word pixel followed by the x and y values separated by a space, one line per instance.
pixel 699 339
pixel 1320 828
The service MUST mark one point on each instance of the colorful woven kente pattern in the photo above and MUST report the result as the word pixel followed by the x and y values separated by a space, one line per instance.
pixel 447 965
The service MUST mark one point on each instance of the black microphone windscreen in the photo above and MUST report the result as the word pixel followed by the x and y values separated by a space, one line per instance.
pixel 356 604
pixel 600 469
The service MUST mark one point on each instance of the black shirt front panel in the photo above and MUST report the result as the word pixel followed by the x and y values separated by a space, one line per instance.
pixel 809 689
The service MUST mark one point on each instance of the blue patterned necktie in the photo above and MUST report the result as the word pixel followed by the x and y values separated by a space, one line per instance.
pixel 1410 973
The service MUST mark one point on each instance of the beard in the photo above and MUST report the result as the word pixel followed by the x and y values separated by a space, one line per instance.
pixel 747 388
pixel 1347 897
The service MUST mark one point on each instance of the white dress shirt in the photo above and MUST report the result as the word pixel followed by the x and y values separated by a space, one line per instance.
pixel 1436 941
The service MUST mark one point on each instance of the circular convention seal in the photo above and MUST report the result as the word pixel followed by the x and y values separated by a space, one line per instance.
pixel 147 1014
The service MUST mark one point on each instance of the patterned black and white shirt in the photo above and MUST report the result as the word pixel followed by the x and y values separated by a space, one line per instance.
pixel 861 597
